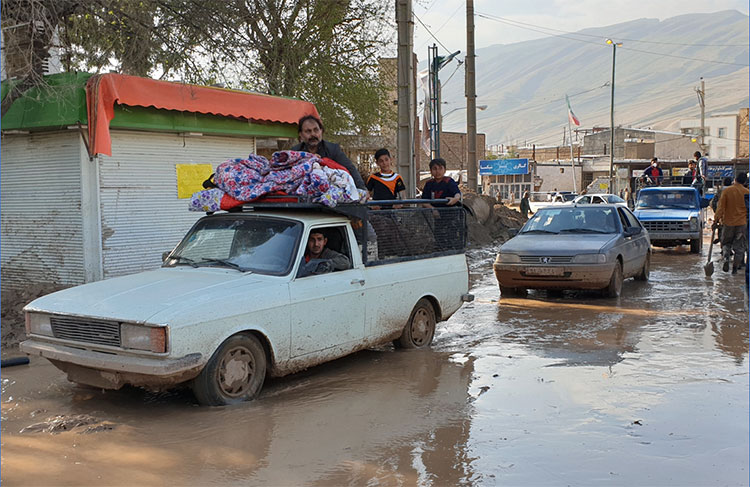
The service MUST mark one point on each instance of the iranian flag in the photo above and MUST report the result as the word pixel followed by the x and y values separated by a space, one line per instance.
pixel 572 116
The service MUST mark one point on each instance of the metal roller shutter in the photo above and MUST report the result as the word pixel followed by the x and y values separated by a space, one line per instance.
pixel 40 194
pixel 141 214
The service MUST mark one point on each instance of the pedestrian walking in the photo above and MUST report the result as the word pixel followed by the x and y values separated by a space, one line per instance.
pixel 732 215
pixel 525 207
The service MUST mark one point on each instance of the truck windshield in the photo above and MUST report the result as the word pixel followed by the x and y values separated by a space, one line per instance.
pixel 667 199
pixel 247 244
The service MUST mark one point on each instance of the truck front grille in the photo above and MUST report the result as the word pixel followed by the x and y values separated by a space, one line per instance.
pixel 86 330
pixel 659 226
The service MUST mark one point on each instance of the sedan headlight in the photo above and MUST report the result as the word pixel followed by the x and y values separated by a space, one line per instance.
pixel 139 337
pixel 590 259
pixel 505 258
pixel 38 324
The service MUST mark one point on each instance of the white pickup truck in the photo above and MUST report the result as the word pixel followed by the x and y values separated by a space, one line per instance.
pixel 230 304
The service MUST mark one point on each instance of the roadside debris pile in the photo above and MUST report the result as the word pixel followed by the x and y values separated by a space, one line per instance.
pixel 489 222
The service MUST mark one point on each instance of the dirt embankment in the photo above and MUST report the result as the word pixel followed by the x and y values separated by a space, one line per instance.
pixel 488 224
pixel 12 320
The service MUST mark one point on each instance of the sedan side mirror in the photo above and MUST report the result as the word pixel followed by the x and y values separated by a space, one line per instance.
pixel 513 232
pixel 164 255
pixel 632 231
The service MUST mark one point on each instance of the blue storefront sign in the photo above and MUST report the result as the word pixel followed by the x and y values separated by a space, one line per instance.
pixel 720 172
pixel 502 167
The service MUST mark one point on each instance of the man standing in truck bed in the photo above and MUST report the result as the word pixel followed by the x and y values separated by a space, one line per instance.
pixel 310 130
pixel 732 214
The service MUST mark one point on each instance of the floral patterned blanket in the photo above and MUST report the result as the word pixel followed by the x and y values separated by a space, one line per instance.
pixel 298 173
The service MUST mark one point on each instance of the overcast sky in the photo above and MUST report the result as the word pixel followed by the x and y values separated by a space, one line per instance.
pixel 446 19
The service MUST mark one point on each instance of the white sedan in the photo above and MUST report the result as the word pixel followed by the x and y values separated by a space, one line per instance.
pixel 599 199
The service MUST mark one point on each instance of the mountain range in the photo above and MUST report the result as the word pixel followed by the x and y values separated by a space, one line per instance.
pixel 658 68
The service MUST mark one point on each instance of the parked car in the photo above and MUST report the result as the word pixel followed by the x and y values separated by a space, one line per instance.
pixel 575 247
pixel 673 215
pixel 551 199
pixel 230 305
pixel 598 199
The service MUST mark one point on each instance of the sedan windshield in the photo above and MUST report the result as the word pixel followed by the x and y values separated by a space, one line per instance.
pixel 247 244
pixel 667 199
pixel 562 220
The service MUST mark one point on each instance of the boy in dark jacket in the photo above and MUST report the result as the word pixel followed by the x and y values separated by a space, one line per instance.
pixel 441 186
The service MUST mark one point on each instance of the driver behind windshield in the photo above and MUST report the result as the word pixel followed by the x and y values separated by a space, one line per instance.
pixel 316 250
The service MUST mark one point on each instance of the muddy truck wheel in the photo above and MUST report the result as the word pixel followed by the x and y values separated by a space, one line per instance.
pixel 235 372
pixel 696 244
pixel 420 329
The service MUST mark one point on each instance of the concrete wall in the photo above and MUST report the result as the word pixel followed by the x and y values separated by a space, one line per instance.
pixel 453 148
pixel 545 154
pixel 674 147
pixel 558 176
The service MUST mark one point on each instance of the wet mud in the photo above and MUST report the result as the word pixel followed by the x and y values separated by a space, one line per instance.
pixel 553 389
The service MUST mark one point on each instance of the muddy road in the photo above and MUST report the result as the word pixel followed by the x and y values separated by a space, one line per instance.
pixel 562 389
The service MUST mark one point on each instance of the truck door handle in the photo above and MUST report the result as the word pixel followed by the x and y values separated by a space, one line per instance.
pixel 361 282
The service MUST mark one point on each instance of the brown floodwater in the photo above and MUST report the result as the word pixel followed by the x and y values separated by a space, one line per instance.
pixel 554 389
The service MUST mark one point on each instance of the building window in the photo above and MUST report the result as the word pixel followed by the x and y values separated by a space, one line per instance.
pixel 722 131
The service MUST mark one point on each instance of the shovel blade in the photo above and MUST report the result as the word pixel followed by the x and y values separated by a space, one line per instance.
pixel 709 268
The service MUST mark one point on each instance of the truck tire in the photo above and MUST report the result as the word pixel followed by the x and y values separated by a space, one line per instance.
pixel 614 288
pixel 696 244
pixel 420 329
pixel 235 372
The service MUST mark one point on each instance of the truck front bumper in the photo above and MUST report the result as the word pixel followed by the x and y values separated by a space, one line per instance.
pixel 111 370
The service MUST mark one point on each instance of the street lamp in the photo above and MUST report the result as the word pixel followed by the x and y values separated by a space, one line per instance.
pixel 479 107
pixel 614 45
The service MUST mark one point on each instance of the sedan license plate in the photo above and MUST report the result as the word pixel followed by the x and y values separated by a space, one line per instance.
pixel 545 271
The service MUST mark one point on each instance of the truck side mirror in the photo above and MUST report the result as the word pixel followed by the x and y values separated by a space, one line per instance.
pixel 705 202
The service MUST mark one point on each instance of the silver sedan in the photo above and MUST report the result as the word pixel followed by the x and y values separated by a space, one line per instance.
pixel 575 247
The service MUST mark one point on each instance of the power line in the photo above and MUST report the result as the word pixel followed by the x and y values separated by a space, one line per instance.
pixel 554 100
pixel 495 17
pixel 443 25
pixel 603 45
pixel 429 32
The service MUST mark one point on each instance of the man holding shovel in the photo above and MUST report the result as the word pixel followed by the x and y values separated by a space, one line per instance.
pixel 732 214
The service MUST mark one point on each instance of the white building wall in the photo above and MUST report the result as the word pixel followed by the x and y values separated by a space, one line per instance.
pixel 141 216
pixel 721 135
pixel 40 218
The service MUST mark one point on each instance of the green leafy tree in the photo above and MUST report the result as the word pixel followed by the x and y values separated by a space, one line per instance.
pixel 324 51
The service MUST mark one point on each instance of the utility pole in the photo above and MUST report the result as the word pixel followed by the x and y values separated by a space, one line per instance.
pixel 612 120
pixel 471 100
pixel 702 102
pixel 436 63
pixel 405 141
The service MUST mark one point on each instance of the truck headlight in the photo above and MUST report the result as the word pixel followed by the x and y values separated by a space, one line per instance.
pixel 139 337
pixel 38 324
pixel 590 259
pixel 505 258
pixel 693 222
